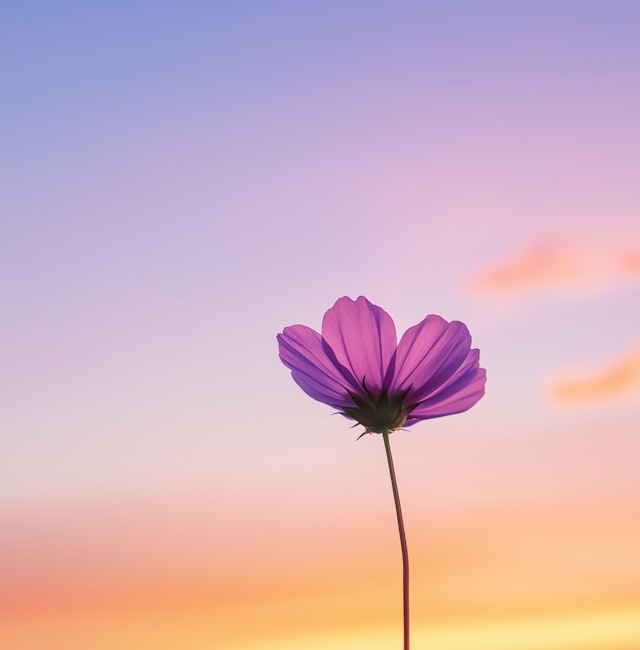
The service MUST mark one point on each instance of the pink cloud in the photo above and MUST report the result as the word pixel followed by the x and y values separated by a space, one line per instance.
pixel 547 265
pixel 629 262
pixel 620 377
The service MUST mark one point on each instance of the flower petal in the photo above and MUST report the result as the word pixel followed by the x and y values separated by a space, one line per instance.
pixel 429 353
pixel 302 351
pixel 362 337
pixel 459 393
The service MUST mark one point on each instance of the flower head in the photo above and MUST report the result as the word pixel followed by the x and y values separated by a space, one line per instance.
pixel 357 366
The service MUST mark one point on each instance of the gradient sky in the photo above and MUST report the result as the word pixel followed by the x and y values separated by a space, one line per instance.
pixel 180 181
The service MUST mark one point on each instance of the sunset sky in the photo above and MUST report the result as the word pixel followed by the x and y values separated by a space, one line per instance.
pixel 180 181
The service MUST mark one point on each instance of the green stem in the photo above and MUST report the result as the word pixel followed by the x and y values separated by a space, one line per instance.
pixel 403 542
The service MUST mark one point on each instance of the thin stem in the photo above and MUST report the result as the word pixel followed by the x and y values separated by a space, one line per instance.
pixel 403 542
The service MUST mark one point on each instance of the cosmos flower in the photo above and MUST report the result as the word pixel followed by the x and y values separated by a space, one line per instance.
pixel 357 366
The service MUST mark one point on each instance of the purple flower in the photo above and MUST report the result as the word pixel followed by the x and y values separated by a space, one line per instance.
pixel 357 366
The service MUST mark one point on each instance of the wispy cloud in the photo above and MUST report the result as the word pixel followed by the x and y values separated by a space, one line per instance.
pixel 619 377
pixel 553 265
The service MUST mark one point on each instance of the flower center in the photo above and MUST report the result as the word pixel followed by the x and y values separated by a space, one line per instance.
pixel 378 413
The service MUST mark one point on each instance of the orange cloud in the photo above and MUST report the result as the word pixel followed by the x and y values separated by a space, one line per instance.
pixel 621 376
pixel 552 265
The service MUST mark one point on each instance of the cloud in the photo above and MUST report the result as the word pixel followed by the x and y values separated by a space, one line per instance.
pixel 549 265
pixel 620 377
pixel 629 262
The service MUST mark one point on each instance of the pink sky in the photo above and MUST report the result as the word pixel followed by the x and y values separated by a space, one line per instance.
pixel 183 181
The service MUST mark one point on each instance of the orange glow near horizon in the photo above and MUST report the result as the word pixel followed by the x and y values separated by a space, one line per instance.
pixel 483 583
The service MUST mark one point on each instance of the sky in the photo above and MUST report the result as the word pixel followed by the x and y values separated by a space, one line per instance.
pixel 180 182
